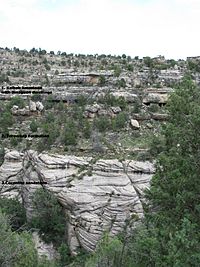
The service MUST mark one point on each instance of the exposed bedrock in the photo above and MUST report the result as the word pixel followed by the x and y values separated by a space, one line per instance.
pixel 96 195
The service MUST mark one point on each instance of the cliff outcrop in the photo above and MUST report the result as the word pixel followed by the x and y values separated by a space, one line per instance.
pixel 97 195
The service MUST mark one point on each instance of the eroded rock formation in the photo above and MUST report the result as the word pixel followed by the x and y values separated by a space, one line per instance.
pixel 96 195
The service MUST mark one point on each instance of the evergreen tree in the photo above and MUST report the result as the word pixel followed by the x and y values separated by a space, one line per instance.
pixel 171 236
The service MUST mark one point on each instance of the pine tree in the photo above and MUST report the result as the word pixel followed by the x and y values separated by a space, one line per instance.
pixel 171 236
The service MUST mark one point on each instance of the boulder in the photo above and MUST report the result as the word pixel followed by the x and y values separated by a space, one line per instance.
pixel 39 106
pixel 23 112
pixel 156 98
pixel 116 109
pixel 135 124
pixel 102 112
pixel 160 117
pixel 14 109
pixel 92 109
pixel 32 106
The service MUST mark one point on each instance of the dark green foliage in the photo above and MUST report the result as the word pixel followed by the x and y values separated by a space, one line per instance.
pixel 16 250
pixel 111 101
pixel 48 104
pixel 48 217
pixel 50 117
pixel 130 67
pixel 171 62
pixel 148 62
pixel 4 78
pixel 52 129
pixel 34 126
pixel 194 66
pixel 47 67
pixel 87 129
pixel 172 236
pixel 65 257
pixel 102 123
pixel 82 100
pixel 14 141
pixel 18 73
pixel 121 83
pixel 153 108
pixel 60 106
pixel 16 100
pixel 15 211
pixel 117 71
pixel 36 97
pixel 157 145
pixel 108 253
pixel 119 121
pixel 70 134
pixel 2 154
pixel 102 80
pixel 137 106
pixel 6 121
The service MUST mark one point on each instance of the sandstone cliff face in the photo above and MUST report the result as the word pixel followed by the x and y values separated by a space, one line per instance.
pixel 96 195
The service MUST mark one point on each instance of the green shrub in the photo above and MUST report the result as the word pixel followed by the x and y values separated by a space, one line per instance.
pixel 33 126
pixel 119 121
pixel 2 154
pixel 48 217
pixel 47 67
pixel 6 120
pixel 117 71
pixel 82 100
pixel 102 123
pixel 16 100
pixel 130 67
pixel 153 108
pixel 15 211
pixel 65 257
pixel 70 134
pixel 108 253
pixel 14 141
pixel 102 80
pixel 121 83
pixel 87 129
pixel 17 250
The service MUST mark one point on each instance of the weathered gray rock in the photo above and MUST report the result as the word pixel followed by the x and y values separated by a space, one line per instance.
pixel 129 97
pixel 97 196
pixel 116 109
pixel 14 109
pixel 39 106
pixel 20 112
pixel 32 106
pixel 103 112
pixel 43 248
pixel 156 98
pixel 93 109
pixel 135 124
pixel 160 116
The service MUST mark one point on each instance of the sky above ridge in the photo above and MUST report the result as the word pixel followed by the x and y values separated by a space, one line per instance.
pixel 133 27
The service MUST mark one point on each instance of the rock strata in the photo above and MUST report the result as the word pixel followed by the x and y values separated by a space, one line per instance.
pixel 97 195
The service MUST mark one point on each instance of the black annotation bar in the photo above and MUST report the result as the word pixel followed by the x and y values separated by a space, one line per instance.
pixel 25 135
pixel 23 92
pixel 12 183
pixel 21 87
